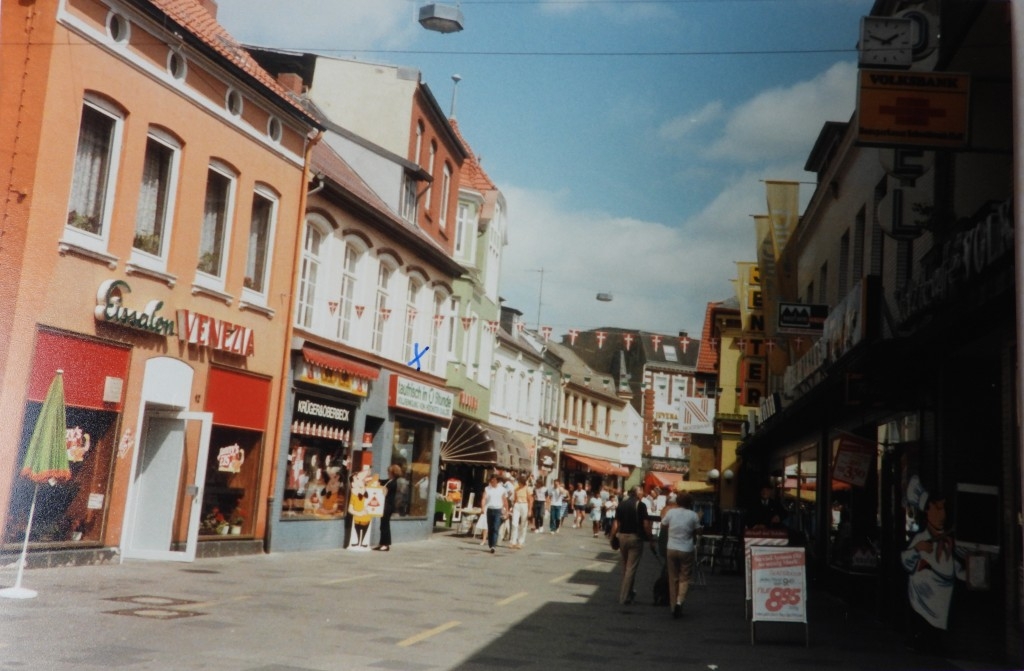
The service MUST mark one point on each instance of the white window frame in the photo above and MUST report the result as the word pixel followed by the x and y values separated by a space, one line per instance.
pixel 414 298
pixel 431 157
pixel 446 186
pixel 158 261
pixel 386 271
pixel 203 278
pixel 409 198
pixel 306 289
pixel 97 241
pixel 352 254
pixel 440 301
pixel 251 295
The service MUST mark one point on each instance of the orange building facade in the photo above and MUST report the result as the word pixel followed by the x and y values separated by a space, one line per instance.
pixel 156 180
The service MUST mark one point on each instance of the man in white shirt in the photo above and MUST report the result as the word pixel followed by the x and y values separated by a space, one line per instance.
pixel 494 504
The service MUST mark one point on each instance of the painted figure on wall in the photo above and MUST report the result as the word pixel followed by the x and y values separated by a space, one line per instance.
pixel 934 563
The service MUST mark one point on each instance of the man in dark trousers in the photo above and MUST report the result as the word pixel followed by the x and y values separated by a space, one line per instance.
pixel 631 528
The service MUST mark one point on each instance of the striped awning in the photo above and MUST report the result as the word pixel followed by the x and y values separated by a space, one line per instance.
pixel 472 442
pixel 339 364
pixel 596 465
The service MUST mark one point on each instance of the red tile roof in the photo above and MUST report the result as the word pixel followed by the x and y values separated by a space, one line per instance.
pixel 473 174
pixel 707 358
pixel 193 17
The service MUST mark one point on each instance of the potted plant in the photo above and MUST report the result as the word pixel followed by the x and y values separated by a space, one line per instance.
pixel 237 520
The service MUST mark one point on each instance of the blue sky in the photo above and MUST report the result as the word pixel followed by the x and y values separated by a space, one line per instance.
pixel 630 137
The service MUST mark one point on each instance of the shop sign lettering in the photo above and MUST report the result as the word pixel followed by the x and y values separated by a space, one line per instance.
pixel 321 410
pixel 110 307
pixel 412 395
pixel 199 329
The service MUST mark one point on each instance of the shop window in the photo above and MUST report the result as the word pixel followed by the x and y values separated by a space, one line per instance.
pixel 854 535
pixel 71 512
pixel 318 460
pixel 412 451
pixel 230 494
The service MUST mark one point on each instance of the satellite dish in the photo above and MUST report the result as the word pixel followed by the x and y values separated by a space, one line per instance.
pixel 604 297
pixel 441 18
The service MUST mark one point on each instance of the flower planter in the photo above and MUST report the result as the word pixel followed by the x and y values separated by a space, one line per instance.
pixel 236 529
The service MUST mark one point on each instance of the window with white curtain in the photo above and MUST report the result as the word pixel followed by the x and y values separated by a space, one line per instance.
pixel 381 307
pixel 309 275
pixel 216 229
pixel 347 291
pixel 437 326
pixel 446 186
pixel 261 241
pixel 156 204
pixel 411 316
pixel 92 184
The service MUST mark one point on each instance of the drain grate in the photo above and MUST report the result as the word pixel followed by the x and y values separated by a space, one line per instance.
pixel 153 607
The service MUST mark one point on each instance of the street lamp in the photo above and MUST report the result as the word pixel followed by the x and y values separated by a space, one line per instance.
pixel 714 477
pixel 441 18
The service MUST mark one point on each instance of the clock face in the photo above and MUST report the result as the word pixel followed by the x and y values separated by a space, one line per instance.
pixel 886 41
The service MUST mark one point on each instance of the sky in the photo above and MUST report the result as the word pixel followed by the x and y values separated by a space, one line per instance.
pixel 630 138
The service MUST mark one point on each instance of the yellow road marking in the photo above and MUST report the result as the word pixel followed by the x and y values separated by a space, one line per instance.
pixel 514 597
pixel 351 578
pixel 422 636
pixel 561 578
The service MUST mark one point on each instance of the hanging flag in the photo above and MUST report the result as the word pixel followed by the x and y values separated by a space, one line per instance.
pixel 684 342
pixel 628 339
pixel 467 322
pixel 696 414
pixel 714 343
pixel 573 333
pixel 438 320
pixel 412 314
pixel 656 341
pixel 770 344
pixel 741 344
pixel 601 336
pixel 492 326
pixel 332 306
pixel 385 313
pixel 520 325
pixel 546 332
pixel 359 311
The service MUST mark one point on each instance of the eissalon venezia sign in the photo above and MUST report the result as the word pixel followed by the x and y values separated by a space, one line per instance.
pixel 190 327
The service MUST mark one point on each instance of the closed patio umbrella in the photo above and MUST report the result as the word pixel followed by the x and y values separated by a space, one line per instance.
pixel 46 460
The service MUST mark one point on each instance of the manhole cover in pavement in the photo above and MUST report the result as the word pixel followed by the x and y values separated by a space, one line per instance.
pixel 148 600
pixel 155 613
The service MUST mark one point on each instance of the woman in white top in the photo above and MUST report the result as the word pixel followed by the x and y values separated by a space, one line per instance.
pixel 494 504
pixel 683 525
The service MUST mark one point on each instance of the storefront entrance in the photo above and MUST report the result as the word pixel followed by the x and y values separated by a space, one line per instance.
pixel 167 490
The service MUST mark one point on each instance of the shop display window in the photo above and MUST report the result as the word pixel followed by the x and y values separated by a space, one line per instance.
pixel 854 535
pixel 232 481
pixel 72 512
pixel 315 482
pixel 413 451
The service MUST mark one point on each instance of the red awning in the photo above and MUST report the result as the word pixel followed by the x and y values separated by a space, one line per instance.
pixel 662 479
pixel 339 364
pixel 601 466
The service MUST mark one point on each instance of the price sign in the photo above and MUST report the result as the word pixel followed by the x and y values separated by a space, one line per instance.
pixel 779 583
pixel 853 460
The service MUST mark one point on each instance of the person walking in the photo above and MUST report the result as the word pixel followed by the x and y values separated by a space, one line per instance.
pixel 540 497
pixel 595 510
pixel 683 525
pixel 522 502
pixel 630 530
pixel 390 493
pixel 494 503
pixel 579 505
pixel 556 497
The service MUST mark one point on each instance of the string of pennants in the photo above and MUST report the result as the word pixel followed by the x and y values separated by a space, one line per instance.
pixel 491 326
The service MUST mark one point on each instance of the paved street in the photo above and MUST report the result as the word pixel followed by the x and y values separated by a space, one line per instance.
pixel 444 603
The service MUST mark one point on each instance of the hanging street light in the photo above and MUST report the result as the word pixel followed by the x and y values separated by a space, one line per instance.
pixel 441 18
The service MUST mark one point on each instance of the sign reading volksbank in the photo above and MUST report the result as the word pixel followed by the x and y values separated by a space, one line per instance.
pixel 409 394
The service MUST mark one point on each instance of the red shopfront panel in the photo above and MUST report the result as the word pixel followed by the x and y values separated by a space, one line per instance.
pixel 238 399
pixel 86 364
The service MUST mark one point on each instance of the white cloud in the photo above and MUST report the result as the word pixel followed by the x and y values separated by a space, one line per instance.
pixel 783 122
pixel 679 127
pixel 323 27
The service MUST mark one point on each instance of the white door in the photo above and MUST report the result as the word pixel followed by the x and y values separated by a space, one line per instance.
pixel 166 487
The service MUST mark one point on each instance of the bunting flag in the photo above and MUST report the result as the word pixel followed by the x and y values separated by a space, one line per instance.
pixel 520 325
pixel 714 343
pixel 656 341
pixel 492 326
pixel 385 313
pixel 359 311
pixel 601 336
pixel 770 344
pixel 332 306
pixel 438 320
pixel 741 344
pixel 467 322
pixel 684 342
pixel 628 339
pixel 546 332
pixel 573 334
pixel 412 314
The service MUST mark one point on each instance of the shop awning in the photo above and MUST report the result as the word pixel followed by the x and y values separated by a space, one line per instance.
pixel 693 487
pixel 339 364
pixel 662 479
pixel 472 442
pixel 602 466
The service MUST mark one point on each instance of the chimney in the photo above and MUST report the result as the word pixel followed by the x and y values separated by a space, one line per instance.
pixel 210 6
pixel 291 81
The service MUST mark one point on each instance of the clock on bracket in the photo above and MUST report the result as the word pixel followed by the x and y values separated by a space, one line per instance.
pixel 924 50
pixel 886 42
